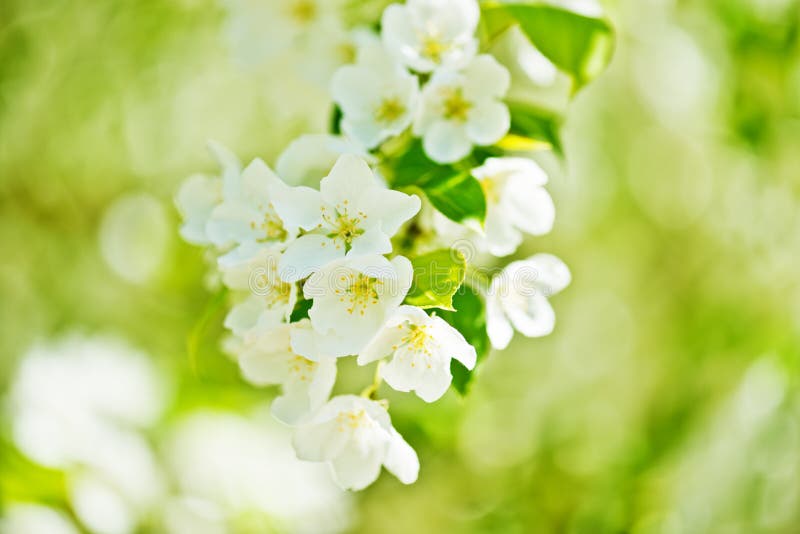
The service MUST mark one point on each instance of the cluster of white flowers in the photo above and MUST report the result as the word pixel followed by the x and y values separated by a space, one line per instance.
pixel 311 251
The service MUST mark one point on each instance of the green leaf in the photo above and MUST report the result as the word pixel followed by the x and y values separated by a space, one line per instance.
pixel 335 120
pixel 437 276
pixel 454 192
pixel 578 44
pixel 469 318
pixel 300 310
pixel 535 124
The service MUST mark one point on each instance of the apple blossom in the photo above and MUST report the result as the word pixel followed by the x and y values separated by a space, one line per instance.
pixel 311 156
pixel 518 298
pixel 420 347
pixel 428 34
pixel 377 96
pixel 351 215
pixel 355 436
pixel 306 384
pixel 463 108
pixel 352 299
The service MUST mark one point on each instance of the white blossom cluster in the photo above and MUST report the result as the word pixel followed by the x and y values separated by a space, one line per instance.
pixel 321 234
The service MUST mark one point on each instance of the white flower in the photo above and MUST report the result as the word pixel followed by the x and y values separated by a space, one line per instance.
pixel 200 194
pixel 350 215
pixel 270 301
pixel 516 202
pixel 35 519
pixel 427 34
pixel 259 30
pixel 247 214
pixel 352 299
pixel 421 348
pixel 310 157
pixel 355 435
pixel 517 298
pixel 463 108
pixel 306 384
pixel 378 98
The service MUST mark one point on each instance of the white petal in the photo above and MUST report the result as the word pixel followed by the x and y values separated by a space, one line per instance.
pixel 322 383
pixel 391 208
pixel 373 241
pixel 531 209
pixel 400 38
pixel 356 89
pixel 500 236
pixel 401 460
pixel 552 274
pixel 453 343
pixel 446 142
pixel 355 471
pixel 485 78
pixel 498 327
pixel 291 407
pixel 298 207
pixel 433 384
pixel 381 346
pixel 349 178
pixel 317 442
pixel 523 172
pixel 231 169
pixel 365 131
pixel 310 157
pixel 195 199
pixel 534 318
pixel 488 122
pixel 262 367
pixel 231 222
pixel 244 316
pixel 306 255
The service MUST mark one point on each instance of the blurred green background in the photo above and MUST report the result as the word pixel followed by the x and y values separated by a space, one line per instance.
pixel 667 400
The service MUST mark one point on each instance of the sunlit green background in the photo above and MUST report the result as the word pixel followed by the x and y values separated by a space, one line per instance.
pixel 667 400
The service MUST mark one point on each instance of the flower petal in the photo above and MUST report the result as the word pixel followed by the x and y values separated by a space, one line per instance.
pixel 552 274
pixel 298 207
pixel 354 470
pixel 318 442
pixel 306 255
pixel 401 460
pixel 348 179
pixel 488 122
pixel 485 78
pixel 391 208
pixel 446 142
pixel 531 209
pixel 531 317
pixel 498 327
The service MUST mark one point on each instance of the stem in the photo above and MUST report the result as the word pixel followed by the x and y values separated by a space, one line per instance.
pixel 370 391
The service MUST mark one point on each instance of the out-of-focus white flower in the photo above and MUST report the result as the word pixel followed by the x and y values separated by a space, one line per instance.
pixel 134 236
pixel 35 519
pixel 259 30
pixel 77 405
pixel 229 465
pixel 428 34
pixel 350 215
pixel 517 298
pixel 462 108
pixel 270 300
pixel 310 157
pixel 307 384
pixel 516 202
pixel 355 436
pixel 248 215
pixel 378 97
pixel 200 194
pixel 420 348
pixel 352 299
pixel 515 51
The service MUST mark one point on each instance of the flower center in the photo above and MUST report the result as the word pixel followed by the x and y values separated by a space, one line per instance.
pixel 271 225
pixel 390 110
pixel 353 420
pixel 360 293
pixel 433 47
pixel 301 368
pixel 456 107
pixel 490 190
pixel 344 227
pixel 303 11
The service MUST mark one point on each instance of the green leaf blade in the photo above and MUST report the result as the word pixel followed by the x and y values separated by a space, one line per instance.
pixel 437 277
pixel 469 318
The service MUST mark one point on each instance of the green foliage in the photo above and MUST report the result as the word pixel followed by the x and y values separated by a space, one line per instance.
pixel 452 191
pixel 437 277
pixel 535 124
pixel 469 318
pixel 579 45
